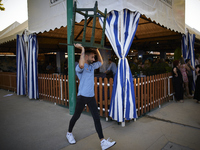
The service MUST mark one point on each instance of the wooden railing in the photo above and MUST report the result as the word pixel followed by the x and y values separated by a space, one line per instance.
pixel 150 91
pixel 8 81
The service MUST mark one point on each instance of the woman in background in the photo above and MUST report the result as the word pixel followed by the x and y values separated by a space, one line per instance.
pixel 183 69
pixel 177 81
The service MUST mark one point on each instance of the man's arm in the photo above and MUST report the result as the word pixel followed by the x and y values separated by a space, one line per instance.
pixel 82 57
pixel 99 56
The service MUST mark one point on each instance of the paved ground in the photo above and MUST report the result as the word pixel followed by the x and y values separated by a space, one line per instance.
pixel 35 124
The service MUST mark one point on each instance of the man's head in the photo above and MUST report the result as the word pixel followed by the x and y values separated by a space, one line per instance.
pixel 89 56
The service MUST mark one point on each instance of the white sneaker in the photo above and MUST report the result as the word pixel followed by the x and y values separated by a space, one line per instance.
pixel 70 138
pixel 105 144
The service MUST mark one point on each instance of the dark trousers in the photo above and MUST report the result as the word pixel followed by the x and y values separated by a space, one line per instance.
pixel 190 81
pixel 178 89
pixel 80 104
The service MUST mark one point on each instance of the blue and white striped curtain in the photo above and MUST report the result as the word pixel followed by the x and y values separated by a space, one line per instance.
pixel 191 40
pixel 120 31
pixel 32 70
pixel 184 46
pixel 20 62
pixel 188 50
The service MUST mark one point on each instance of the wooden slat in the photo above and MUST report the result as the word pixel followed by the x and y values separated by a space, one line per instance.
pixel 49 88
pixel 62 88
pixel 157 90
pixel 148 95
pixel 51 91
pixel 46 87
pixel 106 96
pixel 59 90
pixel 153 87
pixel 65 91
pixel 142 94
pixel 134 82
pixel 138 96
pixel 160 88
pixel 145 94
pixel 167 87
pixel 111 88
pixel 54 88
pixel 43 86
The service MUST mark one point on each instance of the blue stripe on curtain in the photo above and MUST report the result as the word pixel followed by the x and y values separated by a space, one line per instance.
pixel 120 31
pixel 191 56
pixel 32 72
pixel 20 62
pixel 184 46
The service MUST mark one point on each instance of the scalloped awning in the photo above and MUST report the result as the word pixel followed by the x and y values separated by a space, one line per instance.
pixel 47 16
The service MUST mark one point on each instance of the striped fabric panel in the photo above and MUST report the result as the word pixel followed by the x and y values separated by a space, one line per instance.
pixel 120 31
pixel 188 51
pixel 184 46
pixel 20 62
pixel 191 56
pixel 32 71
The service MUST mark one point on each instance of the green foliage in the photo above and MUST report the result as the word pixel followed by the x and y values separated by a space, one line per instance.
pixel 177 53
pixel 1 6
pixel 157 68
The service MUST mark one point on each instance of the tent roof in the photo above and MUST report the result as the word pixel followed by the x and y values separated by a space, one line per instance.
pixel 170 14
pixel 193 31
pixel 10 33
pixel 147 37
pixel 150 36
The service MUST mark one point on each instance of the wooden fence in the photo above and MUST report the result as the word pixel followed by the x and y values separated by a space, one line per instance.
pixel 150 91
pixel 8 81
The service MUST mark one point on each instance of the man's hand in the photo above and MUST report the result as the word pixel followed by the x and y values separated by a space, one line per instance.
pixel 82 57
pixel 99 56
pixel 79 46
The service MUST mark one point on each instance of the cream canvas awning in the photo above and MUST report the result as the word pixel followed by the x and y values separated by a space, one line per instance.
pixel 50 15
pixel 10 33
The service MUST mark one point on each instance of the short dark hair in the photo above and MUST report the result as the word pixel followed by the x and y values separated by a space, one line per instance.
pixel 187 60
pixel 175 63
pixel 198 67
pixel 89 51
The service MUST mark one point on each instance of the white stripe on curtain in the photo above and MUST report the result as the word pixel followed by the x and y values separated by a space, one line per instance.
pixel 120 31
pixel 20 62
pixel 32 72
pixel 188 51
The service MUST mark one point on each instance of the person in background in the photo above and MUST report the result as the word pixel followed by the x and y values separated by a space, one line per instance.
pixel 184 68
pixel 197 88
pixel 177 81
pixel 49 68
pixel 190 75
pixel 197 60
pixel 85 72
pixel 112 67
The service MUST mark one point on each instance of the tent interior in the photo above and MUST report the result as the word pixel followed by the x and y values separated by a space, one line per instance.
pixel 150 36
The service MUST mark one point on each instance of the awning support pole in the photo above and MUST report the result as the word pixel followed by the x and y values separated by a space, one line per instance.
pixel 71 59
